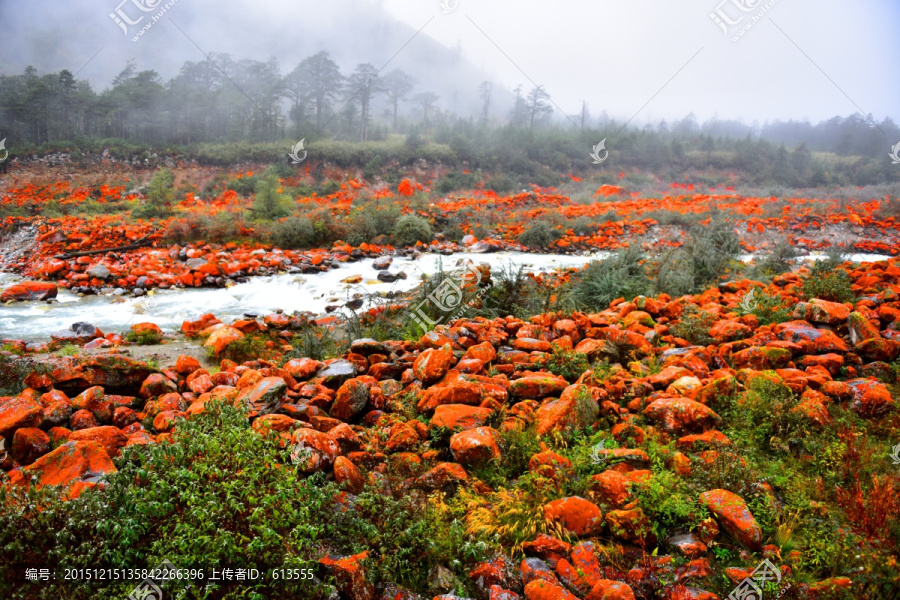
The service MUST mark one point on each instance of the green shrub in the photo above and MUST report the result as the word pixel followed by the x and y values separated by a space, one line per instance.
pixel 294 233
pixel 144 338
pixel 539 235
pixel 160 193
pixel 269 202
pixel 367 222
pixel 217 495
pixel 828 281
pixel 411 229
pixel 622 275
pixel 568 364
pixel 694 326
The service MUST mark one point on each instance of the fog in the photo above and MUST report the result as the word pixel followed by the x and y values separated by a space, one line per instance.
pixel 647 59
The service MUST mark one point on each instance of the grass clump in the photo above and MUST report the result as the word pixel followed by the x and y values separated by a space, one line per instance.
pixel 539 235
pixel 620 276
pixel 827 280
pixel 568 364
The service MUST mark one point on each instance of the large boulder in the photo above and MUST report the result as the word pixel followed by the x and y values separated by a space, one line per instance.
pixel 74 374
pixel 29 290
pixel 732 514
pixel 74 462
pixel 575 409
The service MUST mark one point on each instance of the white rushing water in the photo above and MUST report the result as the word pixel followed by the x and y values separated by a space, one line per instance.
pixel 260 295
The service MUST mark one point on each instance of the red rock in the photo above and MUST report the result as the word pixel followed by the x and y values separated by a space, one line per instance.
pixel 349 575
pixel 146 328
pixel 222 337
pixel 185 365
pixel 83 419
pixel 123 417
pixel 93 400
pixel 681 415
pixel 575 409
pixel 810 339
pixel 576 515
pixel 302 369
pixel 165 421
pixel 263 398
pixel 345 437
pixel 348 476
pixel 191 328
pixel 732 514
pixel 29 444
pixel 607 589
pixel 540 589
pixel 111 438
pixel 499 571
pixel 73 462
pixel 157 384
pixel 459 415
pixel 702 441
pixel 611 487
pixel 667 376
pixel 352 398
pixel 313 450
pixel 631 526
pixel 484 352
pixel 537 387
pixel 19 412
pixel 433 364
pixel 729 330
pixel 29 290
pixel 476 446
pixel 547 547
pixel 402 438
pixel 445 477
pixel 202 384
pixel 831 362
pixel 532 345
pixel 456 392
pixel 821 311
pixel 870 398
pixel 761 358
pixel 861 328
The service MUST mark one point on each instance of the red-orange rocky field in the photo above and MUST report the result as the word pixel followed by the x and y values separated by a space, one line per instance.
pixel 661 404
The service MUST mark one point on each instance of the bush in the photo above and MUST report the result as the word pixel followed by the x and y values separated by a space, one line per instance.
pixel 411 229
pixel 568 364
pixel 217 495
pixel 694 326
pixel 620 276
pixel 160 193
pixel 269 202
pixel 779 260
pixel 539 235
pixel 294 233
pixel 372 220
pixel 828 281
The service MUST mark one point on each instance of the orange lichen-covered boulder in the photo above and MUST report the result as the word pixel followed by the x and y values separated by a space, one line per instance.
pixel 349 575
pixel 20 411
pixel 222 337
pixel 732 513
pixel 575 409
pixel 681 415
pixel 578 516
pixel 29 290
pixel 540 589
pixel 476 446
pixel 71 463
pixel 433 364
pixel 111 438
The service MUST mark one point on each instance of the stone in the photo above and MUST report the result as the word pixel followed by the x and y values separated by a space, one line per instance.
pixel 71 463
pixel 678 415
pixel 19 412
pixel 461 416
pixel 265 397
pixel 433 364
pixel 29 290
pixel 222 337
pixel 575 409
pixel 475 447
pixel 578 516
pixel 537 387
pixel 111 438
pixel 732 514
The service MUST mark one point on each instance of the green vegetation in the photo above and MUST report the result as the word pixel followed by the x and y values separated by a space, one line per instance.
pixel 411 229
pixel 160 194
pixel 539 235
pixel 622 275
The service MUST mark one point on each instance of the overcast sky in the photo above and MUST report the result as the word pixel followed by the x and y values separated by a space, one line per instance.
pixel 802 59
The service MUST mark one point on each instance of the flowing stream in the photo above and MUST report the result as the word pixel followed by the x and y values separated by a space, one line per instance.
pixel 259 296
